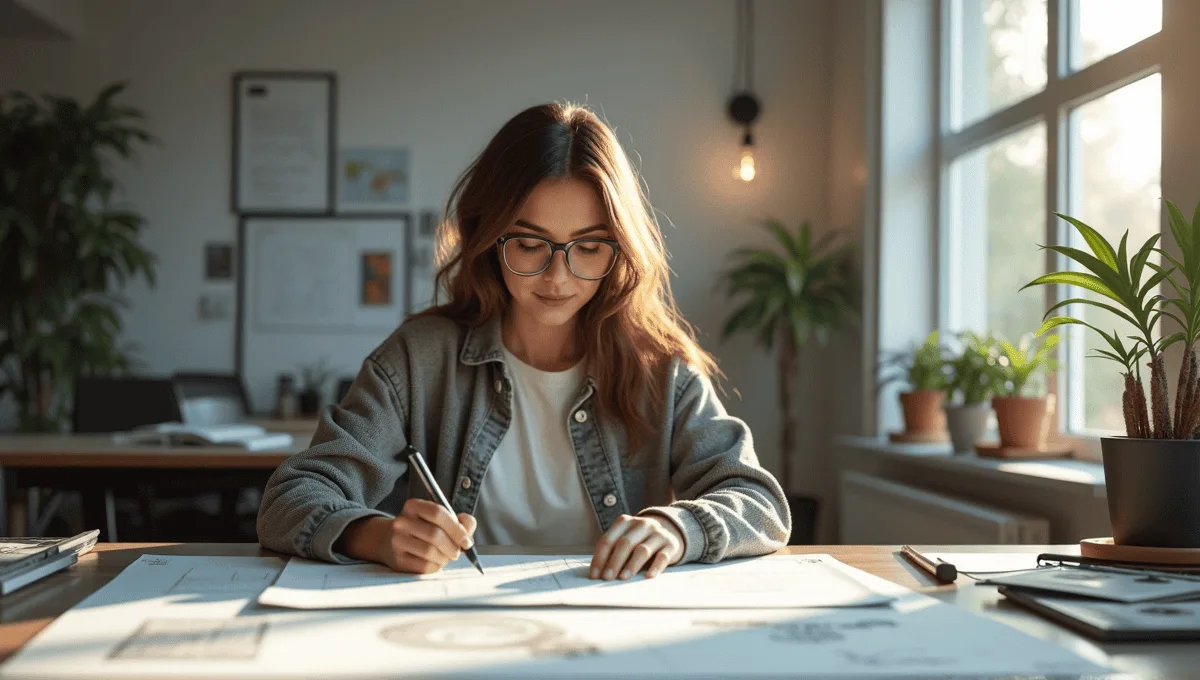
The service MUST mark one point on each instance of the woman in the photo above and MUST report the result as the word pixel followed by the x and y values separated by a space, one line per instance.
pixel 558 395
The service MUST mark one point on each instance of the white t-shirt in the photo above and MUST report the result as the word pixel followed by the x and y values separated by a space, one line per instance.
pixel 533 491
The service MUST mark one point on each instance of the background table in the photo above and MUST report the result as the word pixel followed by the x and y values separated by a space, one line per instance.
pixel 27 611
pixel 93 464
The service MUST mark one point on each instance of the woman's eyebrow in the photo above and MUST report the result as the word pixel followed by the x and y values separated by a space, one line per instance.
pixel 578 233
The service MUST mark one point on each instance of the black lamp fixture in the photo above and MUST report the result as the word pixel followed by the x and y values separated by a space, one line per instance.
pixel 743 105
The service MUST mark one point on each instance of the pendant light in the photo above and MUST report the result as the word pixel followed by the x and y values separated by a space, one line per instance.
pixel 743 105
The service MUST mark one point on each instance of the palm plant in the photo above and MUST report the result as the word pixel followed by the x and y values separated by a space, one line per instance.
pixel 64 248
pixel 799 291
pixel 1118 279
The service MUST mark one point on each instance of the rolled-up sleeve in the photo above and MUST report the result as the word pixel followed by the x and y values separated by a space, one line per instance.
pixel 347 472
pixel 729 506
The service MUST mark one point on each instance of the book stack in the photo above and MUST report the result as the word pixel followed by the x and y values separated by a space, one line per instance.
pixel 25 560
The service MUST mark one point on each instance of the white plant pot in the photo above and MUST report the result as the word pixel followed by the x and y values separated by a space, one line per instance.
pixel 967 425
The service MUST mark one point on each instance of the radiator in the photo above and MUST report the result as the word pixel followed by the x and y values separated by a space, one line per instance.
pixel 876 511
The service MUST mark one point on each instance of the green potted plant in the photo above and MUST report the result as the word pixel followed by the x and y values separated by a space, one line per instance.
pixel 1153 473
pixel 313 378
pixel 1023 408
pixel 65 249
pixel 925 371
pixel 975 376
pixel 798 291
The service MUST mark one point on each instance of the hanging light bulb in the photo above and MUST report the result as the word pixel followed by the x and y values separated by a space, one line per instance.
pixel 744 170
pixel 743 106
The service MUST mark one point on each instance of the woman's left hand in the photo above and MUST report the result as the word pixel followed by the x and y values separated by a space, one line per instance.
pixel 633 543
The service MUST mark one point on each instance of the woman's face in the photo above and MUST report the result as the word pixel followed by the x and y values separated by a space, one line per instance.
pixel 562 210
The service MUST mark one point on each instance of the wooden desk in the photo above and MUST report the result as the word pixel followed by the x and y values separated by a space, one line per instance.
pixel 27 611
pixel 92 463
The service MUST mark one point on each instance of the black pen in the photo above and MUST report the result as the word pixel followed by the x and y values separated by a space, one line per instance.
pixel 417 461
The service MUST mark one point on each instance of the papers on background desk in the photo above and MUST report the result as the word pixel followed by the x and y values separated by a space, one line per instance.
pixel 540 581
pixel 195 617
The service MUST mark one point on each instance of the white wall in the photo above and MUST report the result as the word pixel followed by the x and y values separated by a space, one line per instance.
pixel 442 77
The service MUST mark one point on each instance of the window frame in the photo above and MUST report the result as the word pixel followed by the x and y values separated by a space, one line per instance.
pixel 1065 90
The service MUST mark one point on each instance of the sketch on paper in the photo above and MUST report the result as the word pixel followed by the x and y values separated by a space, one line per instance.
pixel 487 632
pixel 193 639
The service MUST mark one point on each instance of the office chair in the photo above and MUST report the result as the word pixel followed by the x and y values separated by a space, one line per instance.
pixel 105 404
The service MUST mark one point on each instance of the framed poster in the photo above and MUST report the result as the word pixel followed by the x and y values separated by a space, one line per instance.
pixel 316 288
pixel 373 179
pixel 283 143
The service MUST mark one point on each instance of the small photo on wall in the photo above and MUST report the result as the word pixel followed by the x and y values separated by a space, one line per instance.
pixel 218 261
pixel 376 279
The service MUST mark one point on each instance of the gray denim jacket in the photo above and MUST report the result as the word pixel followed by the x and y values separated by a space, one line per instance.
pixel 445 389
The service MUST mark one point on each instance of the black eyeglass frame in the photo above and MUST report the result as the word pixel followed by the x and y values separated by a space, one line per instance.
pixel 554 248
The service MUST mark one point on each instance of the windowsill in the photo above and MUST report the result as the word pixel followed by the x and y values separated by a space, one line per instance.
pixel 1060 474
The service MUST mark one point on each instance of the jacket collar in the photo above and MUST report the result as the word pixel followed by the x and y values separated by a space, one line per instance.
pixel 484 344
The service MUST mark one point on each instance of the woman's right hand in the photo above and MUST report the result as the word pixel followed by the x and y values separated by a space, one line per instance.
pixel 422 539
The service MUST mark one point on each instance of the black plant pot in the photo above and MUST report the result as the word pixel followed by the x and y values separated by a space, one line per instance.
pixel 310 404
pixel 804 519
pixel 1153 491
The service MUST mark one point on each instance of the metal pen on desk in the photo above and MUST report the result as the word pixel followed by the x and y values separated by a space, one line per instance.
pixel 417 461
pixel 941 570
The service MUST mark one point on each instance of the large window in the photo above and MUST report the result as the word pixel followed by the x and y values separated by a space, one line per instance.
pixel 1048 105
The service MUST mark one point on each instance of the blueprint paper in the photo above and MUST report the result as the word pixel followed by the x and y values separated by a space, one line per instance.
pixel 541 581
pixel 193 619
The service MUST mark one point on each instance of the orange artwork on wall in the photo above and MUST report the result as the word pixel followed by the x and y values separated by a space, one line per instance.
pixel 376 279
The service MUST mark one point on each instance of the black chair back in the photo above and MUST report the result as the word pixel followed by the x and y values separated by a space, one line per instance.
pixel 118 404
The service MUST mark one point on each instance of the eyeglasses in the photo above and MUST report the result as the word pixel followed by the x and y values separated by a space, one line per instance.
pixel 529 255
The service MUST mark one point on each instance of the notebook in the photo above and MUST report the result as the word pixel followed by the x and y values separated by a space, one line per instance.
pixel 25 560
pixel 235 435
pixel 1114 621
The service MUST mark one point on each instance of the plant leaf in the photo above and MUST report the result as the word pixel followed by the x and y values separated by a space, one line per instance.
pixel 1100 247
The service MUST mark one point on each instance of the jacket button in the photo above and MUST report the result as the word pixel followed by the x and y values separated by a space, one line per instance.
pixel 499 386
pixel 466 482
pixel 581 416
pixel 609 500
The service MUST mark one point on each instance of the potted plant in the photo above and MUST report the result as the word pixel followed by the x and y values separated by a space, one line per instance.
pixel 975 376
pixel 312 387
pixel 801 290
pixel 1153 473
pixel 65 249
pixel 925 370
pixel 1023 409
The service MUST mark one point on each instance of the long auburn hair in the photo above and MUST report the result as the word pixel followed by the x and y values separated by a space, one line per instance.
pixel 631 328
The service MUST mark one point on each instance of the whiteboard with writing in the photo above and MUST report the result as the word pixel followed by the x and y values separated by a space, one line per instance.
pixel 317 289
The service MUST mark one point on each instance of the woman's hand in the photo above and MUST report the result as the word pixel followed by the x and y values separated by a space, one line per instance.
pixel 422 539
pixel 633 543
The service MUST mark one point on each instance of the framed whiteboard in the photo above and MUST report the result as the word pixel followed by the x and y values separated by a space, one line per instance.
pixel 317 288
pixel 283 142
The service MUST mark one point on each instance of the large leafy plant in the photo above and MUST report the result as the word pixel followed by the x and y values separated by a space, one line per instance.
pixel 65 249
pixel 976 371
pixel 1128 287
pixel 799 290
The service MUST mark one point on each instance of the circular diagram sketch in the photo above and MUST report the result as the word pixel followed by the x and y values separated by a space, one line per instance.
pixel 486 632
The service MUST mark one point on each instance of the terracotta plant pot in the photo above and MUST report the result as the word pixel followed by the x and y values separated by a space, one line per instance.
pixel 923 410
pixel 1023 422
pixel 1153 491
pixel 967 424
